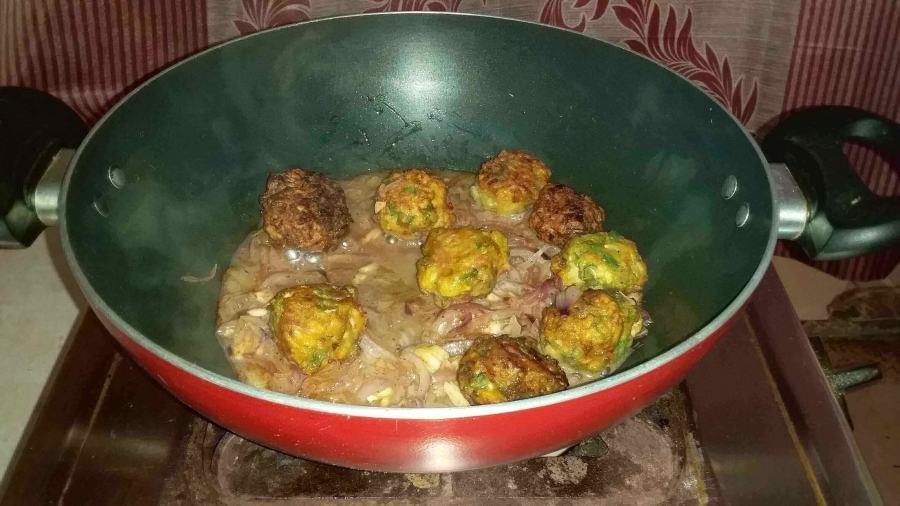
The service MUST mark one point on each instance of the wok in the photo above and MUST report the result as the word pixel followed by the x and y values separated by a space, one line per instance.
pixel 166 185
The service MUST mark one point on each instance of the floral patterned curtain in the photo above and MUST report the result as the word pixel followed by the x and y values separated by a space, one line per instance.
pixel 758 58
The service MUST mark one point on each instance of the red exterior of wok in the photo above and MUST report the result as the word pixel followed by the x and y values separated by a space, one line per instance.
pixel 412 445
pixel 196 142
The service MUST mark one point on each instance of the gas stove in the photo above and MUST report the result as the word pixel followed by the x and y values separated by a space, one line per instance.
pixel 754 423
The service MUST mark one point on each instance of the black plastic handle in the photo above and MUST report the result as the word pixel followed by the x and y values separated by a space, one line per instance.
pixel 34 126
pixel 845 218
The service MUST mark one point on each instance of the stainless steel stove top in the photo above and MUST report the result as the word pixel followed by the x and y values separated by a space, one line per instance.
pixel 754 423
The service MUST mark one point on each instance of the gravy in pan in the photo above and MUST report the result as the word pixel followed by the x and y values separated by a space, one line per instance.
pixel 410 348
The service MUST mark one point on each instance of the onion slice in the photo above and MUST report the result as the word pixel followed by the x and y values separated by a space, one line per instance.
pixel 194 279
pixel 457 347
pixel 456 316
pixel 566 298
pixel 421 370
pixel 371 350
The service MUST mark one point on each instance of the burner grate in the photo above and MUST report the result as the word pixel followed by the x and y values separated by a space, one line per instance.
pixel 649 459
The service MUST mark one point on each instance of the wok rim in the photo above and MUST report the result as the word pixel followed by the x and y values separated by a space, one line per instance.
pixel 426 414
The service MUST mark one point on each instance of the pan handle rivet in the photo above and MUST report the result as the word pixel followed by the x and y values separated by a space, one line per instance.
pixel 116 176
pixel 729 187
pixel 101 208
pixel 743 215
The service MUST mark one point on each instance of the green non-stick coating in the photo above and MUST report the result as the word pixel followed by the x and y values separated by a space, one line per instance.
pixel 349 95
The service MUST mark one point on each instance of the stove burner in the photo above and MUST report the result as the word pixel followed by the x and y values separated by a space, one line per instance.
pixel 649 459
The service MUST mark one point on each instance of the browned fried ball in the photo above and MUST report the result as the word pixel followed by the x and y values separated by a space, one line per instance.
pixel 304 209
pixel 561 213
pixel 510 182
pixel 502 369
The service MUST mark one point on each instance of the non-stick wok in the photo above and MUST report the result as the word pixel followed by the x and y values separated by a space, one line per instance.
pixel 166 186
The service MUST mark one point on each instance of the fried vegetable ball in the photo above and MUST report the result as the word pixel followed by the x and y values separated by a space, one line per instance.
pixel 561 213
pixel 597 331
pixel 510 182
pixel 316 324
pixel 304 209
pixel 601 261
pixel 461 263
pixel 410 203
pixel 501 369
